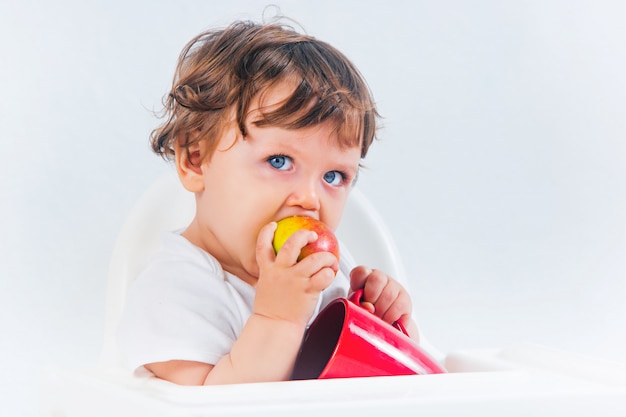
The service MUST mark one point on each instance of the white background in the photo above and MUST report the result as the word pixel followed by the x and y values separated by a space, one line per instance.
pixel 501 168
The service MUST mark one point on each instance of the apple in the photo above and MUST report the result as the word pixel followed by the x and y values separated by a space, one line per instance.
pixel 326 240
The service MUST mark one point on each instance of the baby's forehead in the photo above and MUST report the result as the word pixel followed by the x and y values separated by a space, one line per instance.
pixel 283 104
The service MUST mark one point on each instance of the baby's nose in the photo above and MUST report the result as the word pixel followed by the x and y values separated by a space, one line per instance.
pixel 305 196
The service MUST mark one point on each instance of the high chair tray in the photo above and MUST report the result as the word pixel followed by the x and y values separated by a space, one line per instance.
pixel 517 381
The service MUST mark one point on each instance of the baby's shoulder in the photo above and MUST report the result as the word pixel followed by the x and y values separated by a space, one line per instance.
pixel 177 249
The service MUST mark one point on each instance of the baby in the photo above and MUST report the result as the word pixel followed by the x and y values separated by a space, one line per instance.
pixel 262 123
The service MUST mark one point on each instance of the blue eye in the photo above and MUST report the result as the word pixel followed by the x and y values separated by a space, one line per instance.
pixel 281 162
pixel 334 177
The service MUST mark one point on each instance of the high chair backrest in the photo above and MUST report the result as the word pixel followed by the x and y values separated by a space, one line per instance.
pixel 167 206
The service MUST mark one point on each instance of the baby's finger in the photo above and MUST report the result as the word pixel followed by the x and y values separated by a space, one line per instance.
pixel 388 296
pixel 400 308
pixel 264 250
pixel 317 261
pixel 374 286
pixel 358 276
pixel 321 280
pixel 290 251
pixel 368 306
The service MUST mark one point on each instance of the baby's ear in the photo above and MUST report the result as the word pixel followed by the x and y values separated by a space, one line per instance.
pixel 189 167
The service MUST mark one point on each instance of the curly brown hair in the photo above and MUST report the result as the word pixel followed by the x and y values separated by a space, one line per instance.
pixel 219 72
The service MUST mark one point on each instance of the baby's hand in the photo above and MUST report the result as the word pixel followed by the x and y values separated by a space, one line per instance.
pixel 382 295
pixel 288 289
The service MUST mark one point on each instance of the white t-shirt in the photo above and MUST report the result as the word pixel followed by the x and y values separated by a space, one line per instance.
pixel 184 306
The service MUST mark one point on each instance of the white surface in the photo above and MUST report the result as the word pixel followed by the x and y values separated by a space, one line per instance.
pixel 517 381
pixel 501 170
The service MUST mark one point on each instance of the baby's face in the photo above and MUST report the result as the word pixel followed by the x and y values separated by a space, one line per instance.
pixel 271 174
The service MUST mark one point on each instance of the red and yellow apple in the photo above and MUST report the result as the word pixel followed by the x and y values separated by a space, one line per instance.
pixel 326 240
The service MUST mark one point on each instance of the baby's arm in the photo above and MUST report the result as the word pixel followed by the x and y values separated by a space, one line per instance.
pixel 384 297
pixel 286 295
pixel 261 353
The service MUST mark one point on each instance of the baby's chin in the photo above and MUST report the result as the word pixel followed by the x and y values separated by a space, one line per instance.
pixel 246 271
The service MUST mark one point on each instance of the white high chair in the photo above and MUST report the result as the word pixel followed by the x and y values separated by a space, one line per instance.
pixel 517 381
